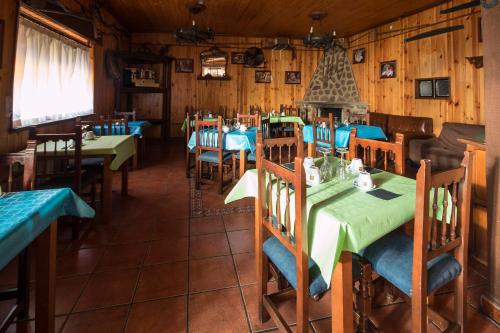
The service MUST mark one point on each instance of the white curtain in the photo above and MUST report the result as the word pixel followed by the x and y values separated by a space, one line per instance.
pixel 53 78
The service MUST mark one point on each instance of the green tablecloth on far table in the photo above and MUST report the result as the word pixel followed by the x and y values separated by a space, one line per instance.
pixel 122 147
pixel 286 119
pixel 341 217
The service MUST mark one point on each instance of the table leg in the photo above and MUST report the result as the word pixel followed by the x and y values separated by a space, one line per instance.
pixel 342 320
pixel 311 150
pixel 45 280
pixel 243 162
pixel 135 159
pixel 125 178
pixel 107 190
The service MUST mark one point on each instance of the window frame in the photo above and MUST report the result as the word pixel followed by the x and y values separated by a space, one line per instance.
pixel 48 23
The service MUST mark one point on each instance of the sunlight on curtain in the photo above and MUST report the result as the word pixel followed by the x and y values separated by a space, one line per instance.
pixel 52 79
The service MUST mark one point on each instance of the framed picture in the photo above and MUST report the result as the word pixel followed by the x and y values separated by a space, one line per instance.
pixel 424 88
pixel 358 56
pixel 184 65
pixel 388 69
pixel 263 77
pixel 2 27
pixel 238 58
pixel 292 77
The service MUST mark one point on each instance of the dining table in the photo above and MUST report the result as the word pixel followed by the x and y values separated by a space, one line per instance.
pixel 31 216
pixel 234 140
pixel 115 151
pixel 343 220
pixel 342 135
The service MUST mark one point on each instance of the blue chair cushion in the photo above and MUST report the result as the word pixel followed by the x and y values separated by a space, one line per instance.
pixel 250 157
pixel 284 260
pixel 392 257
pixel 213 156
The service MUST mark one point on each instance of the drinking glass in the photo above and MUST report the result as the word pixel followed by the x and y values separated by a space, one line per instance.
pixel 342 168
pixel 326 170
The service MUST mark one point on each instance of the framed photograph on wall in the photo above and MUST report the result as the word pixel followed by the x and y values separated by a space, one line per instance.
pixel 2 27
pixel 263 77
pixel 358 56
pixel 184 65
pixel 292 77
pixel 388 69
pixel 238 58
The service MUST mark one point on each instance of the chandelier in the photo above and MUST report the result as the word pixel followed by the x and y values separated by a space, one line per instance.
pixel 193 34
pixel 318 41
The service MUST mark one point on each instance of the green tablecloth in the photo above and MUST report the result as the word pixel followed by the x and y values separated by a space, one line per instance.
pixel 286 119
pixel 122 147
pixel 341 217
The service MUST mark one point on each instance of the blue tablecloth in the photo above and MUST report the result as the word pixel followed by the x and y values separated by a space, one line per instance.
pixel 25 215
pixel 342 134
pixel 234 140
pixel 136 128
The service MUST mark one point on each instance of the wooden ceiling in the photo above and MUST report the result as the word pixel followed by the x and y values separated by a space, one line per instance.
pixel 264 18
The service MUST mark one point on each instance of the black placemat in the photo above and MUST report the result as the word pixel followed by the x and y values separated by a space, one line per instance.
pixel 372 171
pixel 290 166
pixel 383 194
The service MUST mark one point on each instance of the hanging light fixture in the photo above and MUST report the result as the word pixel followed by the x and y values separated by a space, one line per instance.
pixel 318 41
pixel 193 34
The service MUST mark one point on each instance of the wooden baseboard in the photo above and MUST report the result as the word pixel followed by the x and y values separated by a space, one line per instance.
pixel 490 308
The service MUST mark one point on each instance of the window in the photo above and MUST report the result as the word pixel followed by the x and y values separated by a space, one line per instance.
pixel 53 77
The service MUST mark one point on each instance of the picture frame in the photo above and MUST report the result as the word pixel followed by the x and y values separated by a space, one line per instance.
pixel 2 28
pixel 388 69
pixel 263 77
pixel 238 58
pixel 292 77
pixel 184 65
pixel 358 56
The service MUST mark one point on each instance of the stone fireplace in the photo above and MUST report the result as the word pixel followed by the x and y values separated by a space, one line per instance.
pixel 333 88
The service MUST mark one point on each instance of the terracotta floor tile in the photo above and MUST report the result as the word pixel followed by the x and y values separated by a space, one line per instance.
pixel 161 281
pixel 29 326
pixel 78 262
pixel 243 221
pixel 204 246
pixel 241 241
pixel 245 267
pixel 137 232
pixel 206 225
pixel 162 316
pixel 108 289
pixel 212 273
pixel 161 251
pixel 95 236
pixel 109 320
pixel 170 228
pixel 123 256
pixel 217 311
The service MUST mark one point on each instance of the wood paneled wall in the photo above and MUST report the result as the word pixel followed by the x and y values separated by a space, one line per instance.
pixel 439 56
pixel 238 93
pixel 103 92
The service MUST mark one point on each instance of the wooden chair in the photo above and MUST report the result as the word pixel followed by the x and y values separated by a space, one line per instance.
pixel 190 153
pixel 20 171
pixel 59 164
pixel 323 130
pixel 127 115
pixel 283 149
pixel 209 148
pixel 249 120
pixel 103 127
pixel 437 253
pixel 384 155
pixel 287 247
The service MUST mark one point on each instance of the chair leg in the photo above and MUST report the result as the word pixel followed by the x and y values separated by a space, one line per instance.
pixel 366 298
pixel 461 301
pixel 23 285
pixel 188 164
pixel 93 192
pixel 221 176
pixel 302 308
pixel 198 174
pixel 234 168
pixel 262 287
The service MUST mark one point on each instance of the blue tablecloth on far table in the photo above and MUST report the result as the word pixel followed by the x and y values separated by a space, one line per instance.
pixel 342 134
pixel 25 215
pixel 234 140
pixel 136 128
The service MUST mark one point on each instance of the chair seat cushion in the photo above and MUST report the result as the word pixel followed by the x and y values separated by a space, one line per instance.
pixel 250 157
pixel 392 257
pixel 284 260
pixel 213 156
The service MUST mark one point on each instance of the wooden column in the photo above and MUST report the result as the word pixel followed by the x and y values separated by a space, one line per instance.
pixel 490 302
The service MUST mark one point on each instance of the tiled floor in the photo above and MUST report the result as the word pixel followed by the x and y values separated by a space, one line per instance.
pixel 155 270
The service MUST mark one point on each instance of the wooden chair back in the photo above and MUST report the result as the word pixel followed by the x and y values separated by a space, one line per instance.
pixel 386 155
pixel 324 132
pixel 249 120
pixel 105 127
pixel 265 127
pixel 436 234
pixel 59 156
pixel 208 135
pixel 283 149
pixel 128 115
pixel 26 160
pixel 289 110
